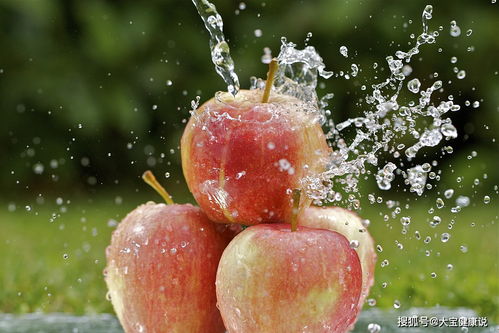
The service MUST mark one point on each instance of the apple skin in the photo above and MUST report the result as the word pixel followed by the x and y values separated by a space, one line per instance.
pixel 242 158
pixel 350 225
pixel 271 279
pixel 161 268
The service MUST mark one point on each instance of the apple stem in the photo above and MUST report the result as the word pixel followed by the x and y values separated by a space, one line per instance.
pixel 270 80
pixel 294 212
pixel 149 178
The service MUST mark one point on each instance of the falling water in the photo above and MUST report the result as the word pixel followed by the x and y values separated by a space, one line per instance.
pixel 220 51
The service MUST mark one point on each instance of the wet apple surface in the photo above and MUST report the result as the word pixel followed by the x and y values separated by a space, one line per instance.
pixel 161 268
pixel 350 225
pixel 271 279
pixel 161 263
pixel 242 158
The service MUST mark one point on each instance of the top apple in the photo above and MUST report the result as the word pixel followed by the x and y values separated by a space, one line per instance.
pixel 242 158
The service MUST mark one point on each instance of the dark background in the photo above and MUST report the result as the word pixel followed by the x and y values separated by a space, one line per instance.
pixel 79 79
pixel 86 107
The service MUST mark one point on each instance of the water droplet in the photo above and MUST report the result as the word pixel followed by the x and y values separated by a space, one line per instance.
pixel 455 30
pixel 126 250
pixel 266 59
pixel 462 201
pixel 463 248
pixel 355 70
pixel 440 203
pixel 11 207
pixel 373 328
pixel 435 221
pixel 344 51
pixel 445 237
pixel 449 131
pixel 416 178
pixel 405 220
pixel 354 244
pixel 385 176
pixel 448 193
pixel 284 165
pixel 414 85
pixel 486 199
pixel 396 304
pixel 54 164
pixel 461 74
pixel 436 85
pixel 38 168
pixel 258 33
pixel 406 70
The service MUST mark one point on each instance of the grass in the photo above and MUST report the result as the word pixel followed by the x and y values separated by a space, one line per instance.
pixel 466 266
pixel 57 266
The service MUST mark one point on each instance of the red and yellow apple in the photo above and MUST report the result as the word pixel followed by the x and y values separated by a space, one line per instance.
pixel 271 279
pixel 349 225
pixel 242 158
pixel 161 268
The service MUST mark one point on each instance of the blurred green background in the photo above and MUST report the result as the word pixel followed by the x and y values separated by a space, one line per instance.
pixel 92 93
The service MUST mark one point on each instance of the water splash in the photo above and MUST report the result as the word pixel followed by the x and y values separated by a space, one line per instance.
pixel 385 126
pixel 220 51
pixel 298 72
pixel 387 123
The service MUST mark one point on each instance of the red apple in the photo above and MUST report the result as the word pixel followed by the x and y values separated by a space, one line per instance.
pixel 161 268
pixel 349 225
pixel 242 158
pixel 271 279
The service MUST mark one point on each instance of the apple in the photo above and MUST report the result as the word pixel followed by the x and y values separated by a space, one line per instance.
pixel 243 156
pixel 271 279
pixel 161 268
pixel 351 226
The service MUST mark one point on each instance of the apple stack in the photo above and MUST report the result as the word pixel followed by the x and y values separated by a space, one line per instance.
pixel 295 268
